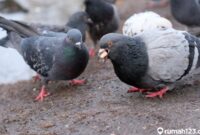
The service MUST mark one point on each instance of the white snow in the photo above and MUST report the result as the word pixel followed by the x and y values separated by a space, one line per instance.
pixel 12 66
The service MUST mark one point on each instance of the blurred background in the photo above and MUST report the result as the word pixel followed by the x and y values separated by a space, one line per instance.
pixel 56 12
pixel 102 106
pixel 46 12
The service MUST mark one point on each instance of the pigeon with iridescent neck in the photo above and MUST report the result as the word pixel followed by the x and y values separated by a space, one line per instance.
pixel 54 58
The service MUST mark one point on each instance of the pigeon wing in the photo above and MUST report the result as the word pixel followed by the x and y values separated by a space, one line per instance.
pixel 39 53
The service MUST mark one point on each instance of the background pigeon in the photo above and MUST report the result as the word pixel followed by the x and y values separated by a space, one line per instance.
pixel 187 12
pixel 78 20
pixel 154 60
pixel 141 22
pixel 53 57
pixel 111 1
pixel 104 16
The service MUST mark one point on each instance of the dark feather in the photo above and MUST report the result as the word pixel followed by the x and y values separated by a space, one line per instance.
pixel 186 11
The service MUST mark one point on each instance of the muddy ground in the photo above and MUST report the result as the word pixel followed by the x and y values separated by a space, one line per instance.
pixel 100 107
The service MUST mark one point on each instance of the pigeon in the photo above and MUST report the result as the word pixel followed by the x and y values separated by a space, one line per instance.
pixel 104 16
pixel 111 1
pixel 187 12
pixel 141 22
pixel 52 57
pixel 78 20
pixel 153 62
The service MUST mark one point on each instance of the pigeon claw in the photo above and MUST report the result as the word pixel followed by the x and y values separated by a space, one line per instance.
pixel 36 78
pixel 77 82
pixel 92 52
pixel 43 93
pixel 159 93
pixel 134 89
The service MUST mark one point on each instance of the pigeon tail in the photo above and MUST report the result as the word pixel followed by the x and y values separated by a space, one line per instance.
pixel 15 31
pixel 18 27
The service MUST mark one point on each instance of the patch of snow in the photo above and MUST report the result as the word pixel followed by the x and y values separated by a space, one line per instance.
pixel 14 16
pixel 13 67
pixel 3 33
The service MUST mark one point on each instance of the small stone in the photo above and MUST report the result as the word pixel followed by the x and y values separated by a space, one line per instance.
pixel 47 125
pixel 144 127
pixel 34 89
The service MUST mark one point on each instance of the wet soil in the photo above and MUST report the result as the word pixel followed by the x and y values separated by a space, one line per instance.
pixel 100 107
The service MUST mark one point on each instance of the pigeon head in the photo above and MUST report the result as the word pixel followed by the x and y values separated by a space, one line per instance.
pixel 83 16
pixel 74 36
pixel 79 18
pixel 108 43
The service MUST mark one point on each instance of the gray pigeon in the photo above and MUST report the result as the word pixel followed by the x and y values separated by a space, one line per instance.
pixel 53 57
pixel 152 62
pixel 79 20
pixel 104 16
pixel 187 12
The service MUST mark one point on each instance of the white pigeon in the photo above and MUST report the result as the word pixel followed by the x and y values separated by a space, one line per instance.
pixel 141 22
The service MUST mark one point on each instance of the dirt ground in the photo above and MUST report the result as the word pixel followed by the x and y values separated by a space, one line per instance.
pixel 101 106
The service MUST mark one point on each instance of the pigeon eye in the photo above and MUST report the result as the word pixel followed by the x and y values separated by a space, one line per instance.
pixel 162 27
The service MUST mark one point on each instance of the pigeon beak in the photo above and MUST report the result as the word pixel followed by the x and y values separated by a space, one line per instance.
pixel 78 44
pixel 103 54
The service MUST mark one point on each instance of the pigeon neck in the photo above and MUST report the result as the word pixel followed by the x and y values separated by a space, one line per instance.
pixel 130 61
pixel 69 52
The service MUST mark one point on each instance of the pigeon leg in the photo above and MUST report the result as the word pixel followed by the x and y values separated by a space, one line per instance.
pixel 134 89
pixel 159 93
pixel 36 78
pixel 77 82
pixel 43 93
pixel 91 52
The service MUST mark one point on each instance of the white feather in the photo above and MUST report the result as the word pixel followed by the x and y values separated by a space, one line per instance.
pixel 141 22
pixel 196 56
pixel 168 52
